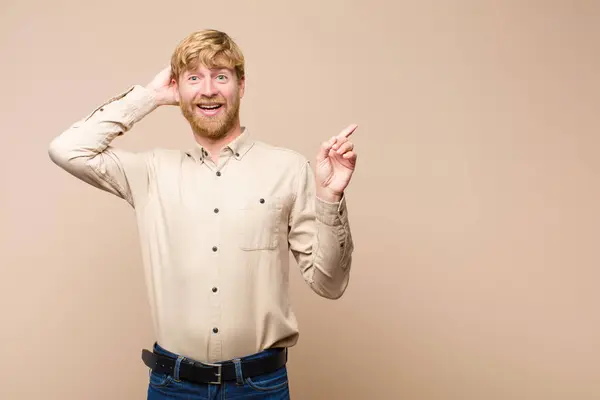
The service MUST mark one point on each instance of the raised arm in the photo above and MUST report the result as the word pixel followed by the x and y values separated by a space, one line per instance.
pixel 319 230
pixel 85 149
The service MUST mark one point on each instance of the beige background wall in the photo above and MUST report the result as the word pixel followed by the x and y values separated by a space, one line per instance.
pixel 475 205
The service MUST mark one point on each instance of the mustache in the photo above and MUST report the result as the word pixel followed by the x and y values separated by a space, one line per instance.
pixel 210 101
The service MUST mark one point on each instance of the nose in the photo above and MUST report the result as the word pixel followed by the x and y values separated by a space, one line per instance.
pixel 209 89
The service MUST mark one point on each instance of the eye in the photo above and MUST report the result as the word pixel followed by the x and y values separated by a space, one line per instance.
pixel 193 78
pixel 221 77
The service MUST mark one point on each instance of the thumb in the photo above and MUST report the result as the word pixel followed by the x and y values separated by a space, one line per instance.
pixel 324 150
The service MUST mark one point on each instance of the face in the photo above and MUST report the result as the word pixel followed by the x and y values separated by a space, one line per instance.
pixel 210 100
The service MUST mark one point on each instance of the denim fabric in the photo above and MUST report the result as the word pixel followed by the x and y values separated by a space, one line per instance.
pixel 270 386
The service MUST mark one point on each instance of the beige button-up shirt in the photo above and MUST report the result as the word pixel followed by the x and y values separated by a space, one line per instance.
pixel 215 237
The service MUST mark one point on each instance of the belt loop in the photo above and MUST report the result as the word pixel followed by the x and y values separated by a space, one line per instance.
pixel 239 376
pixel 177 368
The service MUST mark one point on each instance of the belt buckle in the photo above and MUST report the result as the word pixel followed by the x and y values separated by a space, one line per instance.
pixel 219 373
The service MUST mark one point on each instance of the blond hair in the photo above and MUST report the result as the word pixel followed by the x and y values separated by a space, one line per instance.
pixel 208 47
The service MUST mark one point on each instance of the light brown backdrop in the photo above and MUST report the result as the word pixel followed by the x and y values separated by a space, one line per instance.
pixel 475 205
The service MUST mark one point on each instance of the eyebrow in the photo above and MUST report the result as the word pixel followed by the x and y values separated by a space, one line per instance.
pixel 213 71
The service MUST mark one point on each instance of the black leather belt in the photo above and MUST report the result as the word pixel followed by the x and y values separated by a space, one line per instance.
pixel 198 372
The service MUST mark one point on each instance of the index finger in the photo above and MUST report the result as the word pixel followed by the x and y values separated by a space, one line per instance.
pixel 348 131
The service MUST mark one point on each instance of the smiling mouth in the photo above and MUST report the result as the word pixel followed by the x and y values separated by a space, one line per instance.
pixel 209 107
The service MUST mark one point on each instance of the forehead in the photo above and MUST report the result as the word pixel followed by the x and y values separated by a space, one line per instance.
pixel 210 65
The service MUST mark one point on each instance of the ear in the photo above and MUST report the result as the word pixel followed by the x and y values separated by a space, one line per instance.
pixel 242 84
pixel 176 88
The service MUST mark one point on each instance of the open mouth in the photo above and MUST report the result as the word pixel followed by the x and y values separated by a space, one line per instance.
pixel 209 109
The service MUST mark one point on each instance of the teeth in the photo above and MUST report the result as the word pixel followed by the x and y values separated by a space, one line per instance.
pixel 211 107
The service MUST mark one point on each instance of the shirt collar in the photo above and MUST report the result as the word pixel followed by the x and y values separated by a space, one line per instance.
pixel 237 147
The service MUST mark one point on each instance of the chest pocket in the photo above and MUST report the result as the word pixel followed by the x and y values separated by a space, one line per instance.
pixel 260 222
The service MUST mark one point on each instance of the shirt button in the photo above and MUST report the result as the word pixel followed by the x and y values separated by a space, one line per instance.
pixel 214 248
pixel 216 330
pixel 216 210
pixel 262 201
pixel 237 154
pixel 218 173
pixel 214 290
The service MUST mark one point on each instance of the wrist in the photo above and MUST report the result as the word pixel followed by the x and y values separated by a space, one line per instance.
pixel 328 195
pixel 156 97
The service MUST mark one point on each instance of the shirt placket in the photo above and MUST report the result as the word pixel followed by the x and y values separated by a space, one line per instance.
pixel 216 343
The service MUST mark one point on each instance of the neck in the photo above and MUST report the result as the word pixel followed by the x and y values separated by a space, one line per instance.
pixel 214 146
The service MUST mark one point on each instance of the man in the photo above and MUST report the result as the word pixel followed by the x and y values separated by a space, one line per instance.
pixel 216 223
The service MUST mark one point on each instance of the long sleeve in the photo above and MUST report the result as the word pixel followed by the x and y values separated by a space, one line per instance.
pixel 84 149
pixel 320 238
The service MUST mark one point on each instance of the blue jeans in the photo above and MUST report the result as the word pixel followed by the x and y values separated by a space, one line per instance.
pixel 270 386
